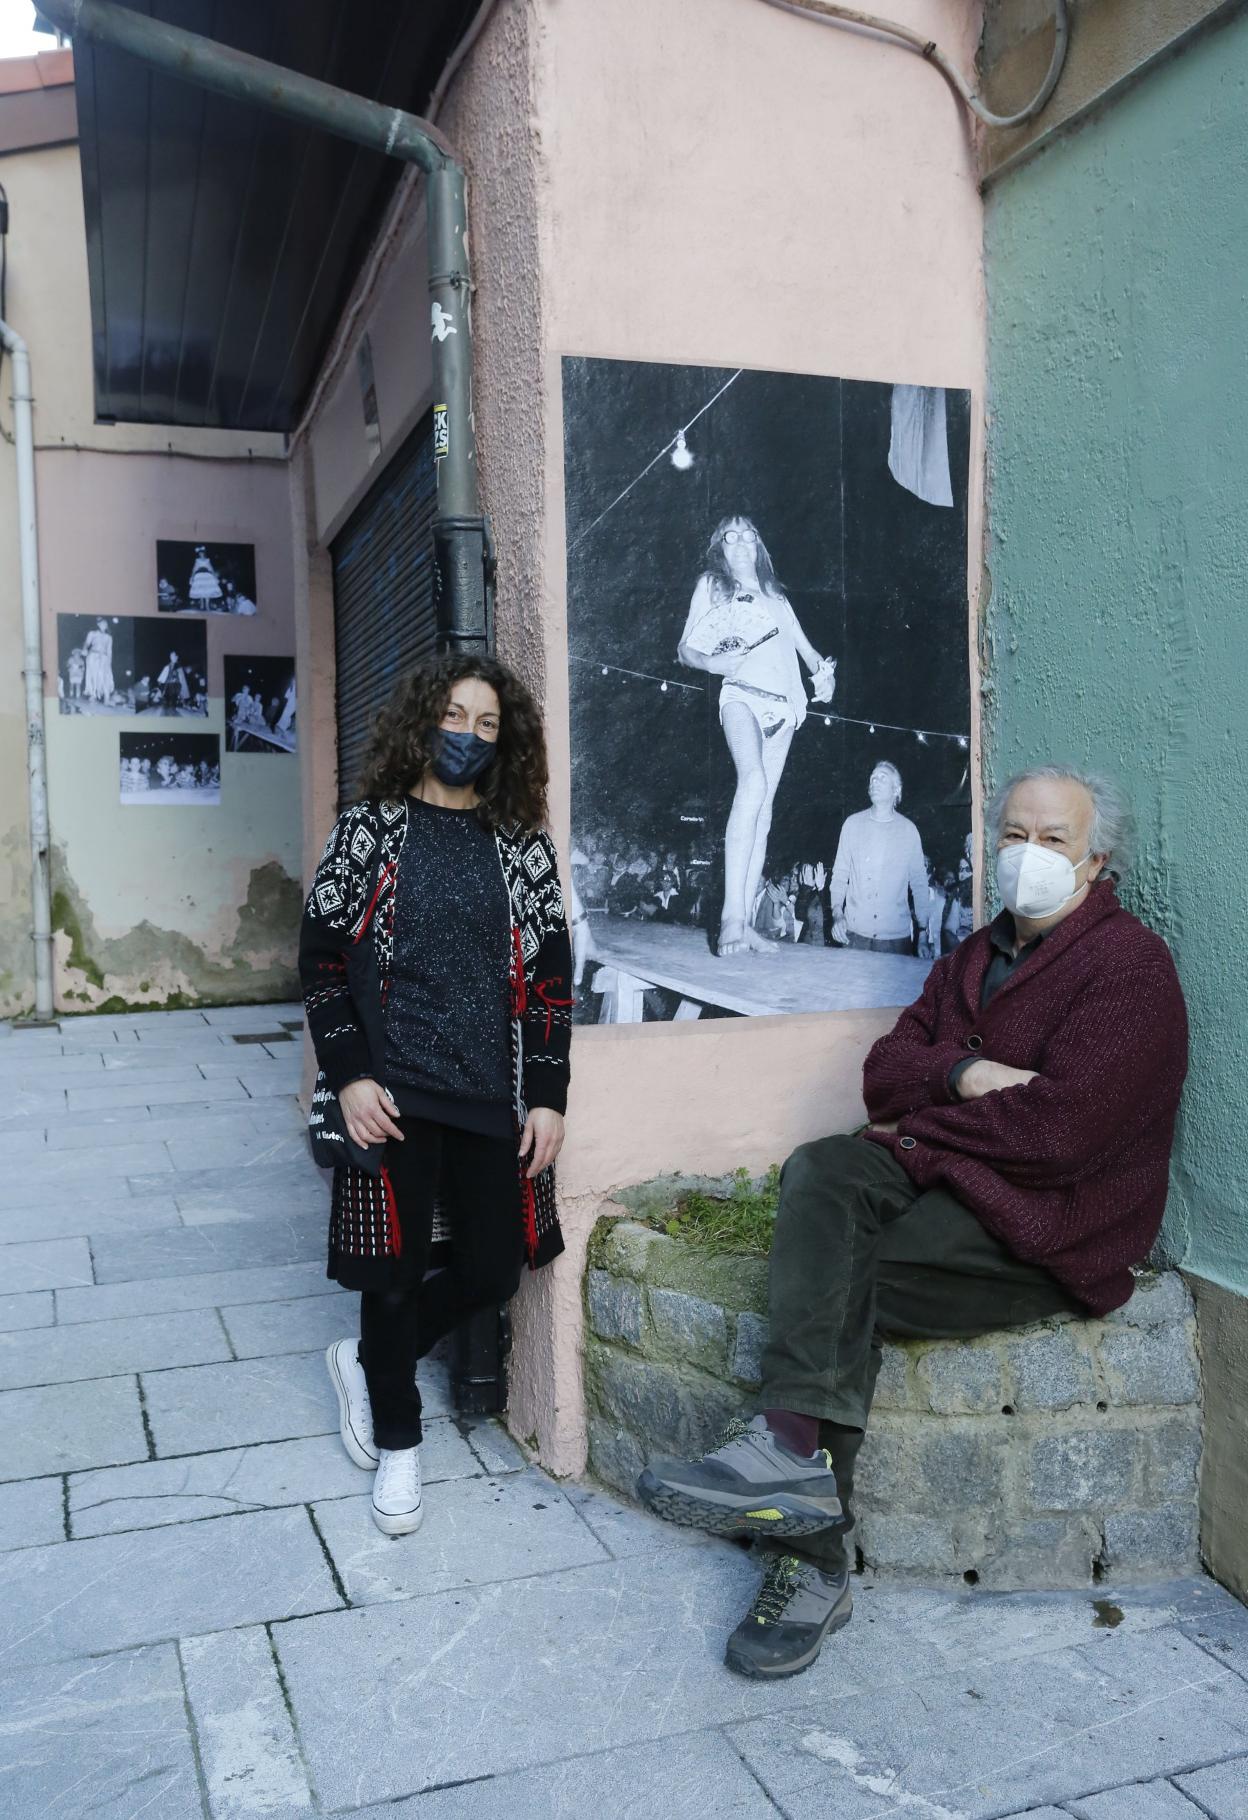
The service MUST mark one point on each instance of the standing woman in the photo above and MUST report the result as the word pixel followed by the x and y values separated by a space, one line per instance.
pixel 98 648
pixel 741 627
pixel 436 971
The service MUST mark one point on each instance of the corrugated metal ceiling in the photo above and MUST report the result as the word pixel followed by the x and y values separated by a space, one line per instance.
pixel 222 241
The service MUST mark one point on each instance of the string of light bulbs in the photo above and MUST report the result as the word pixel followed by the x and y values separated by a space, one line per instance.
pixel 666 683
pixel 676 448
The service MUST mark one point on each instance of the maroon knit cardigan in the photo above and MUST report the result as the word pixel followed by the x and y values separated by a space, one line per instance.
pixel 1069 1170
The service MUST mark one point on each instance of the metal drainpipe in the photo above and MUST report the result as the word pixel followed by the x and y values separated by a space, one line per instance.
pixel 459 529
pixel 32 672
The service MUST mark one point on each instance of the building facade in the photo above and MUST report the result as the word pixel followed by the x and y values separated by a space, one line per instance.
pixel 735 273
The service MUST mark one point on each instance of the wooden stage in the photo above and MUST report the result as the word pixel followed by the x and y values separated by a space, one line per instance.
pixel 628 956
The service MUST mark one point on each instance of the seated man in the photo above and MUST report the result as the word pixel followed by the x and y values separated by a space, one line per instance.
pixel 1015 1168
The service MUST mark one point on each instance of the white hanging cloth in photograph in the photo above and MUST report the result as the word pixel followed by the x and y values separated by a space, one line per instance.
pixel 918 450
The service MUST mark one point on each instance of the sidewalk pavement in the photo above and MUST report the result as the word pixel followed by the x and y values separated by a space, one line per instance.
pixel 199 1618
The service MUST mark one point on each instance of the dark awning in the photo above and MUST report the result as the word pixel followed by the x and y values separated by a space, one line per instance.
pixel 222 241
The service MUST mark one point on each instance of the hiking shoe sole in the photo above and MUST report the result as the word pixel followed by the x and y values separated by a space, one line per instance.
pixel 780 1515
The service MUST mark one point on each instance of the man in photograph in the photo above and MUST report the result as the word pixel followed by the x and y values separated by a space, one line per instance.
pixel 879 876
pixel 983 1194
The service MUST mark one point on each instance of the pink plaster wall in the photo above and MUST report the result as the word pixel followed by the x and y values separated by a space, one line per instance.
pixel 719 182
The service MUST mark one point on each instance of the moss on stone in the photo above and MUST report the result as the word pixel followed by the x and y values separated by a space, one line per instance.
pixel 65 919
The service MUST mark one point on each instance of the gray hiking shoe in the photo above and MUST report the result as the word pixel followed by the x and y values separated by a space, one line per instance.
pixel 796 1607
pixel 749 1485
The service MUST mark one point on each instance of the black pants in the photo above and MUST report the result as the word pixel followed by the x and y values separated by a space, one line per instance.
pixel 477 1180
pixel 859 1253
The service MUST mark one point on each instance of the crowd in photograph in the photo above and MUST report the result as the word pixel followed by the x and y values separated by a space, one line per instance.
pixel 922 903
pixel 141 774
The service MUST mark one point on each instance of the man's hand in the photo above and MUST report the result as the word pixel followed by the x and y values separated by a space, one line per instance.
pixel 984 1077
pixel 368 1113
pixel 543 1135
pixel 840 932
pixel 888 1125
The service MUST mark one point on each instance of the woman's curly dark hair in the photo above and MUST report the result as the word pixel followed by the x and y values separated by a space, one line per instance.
pixel 512 790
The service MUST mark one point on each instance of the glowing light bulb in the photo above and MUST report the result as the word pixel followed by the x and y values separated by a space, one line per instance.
pixel 871 729
pixel 962 741
pixel 604 669
pixel 681 458
pixel 662 688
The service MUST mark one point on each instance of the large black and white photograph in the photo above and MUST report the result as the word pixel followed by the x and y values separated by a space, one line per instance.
pixel 260 704
pixel 206 577
pixel 119 664
pixel 770 689
pixel 167 769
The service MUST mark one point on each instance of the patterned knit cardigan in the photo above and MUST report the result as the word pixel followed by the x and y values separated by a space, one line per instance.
pixel 346 956
pixel 1069 1170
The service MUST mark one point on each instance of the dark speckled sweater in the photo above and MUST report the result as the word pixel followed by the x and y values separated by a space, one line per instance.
pixel 1069 1170
pixel 448 1047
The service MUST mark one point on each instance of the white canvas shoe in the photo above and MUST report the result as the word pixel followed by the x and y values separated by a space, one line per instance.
pixel 355 1414
pixel 397 1508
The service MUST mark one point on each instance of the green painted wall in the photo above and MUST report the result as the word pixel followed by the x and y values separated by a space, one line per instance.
pixel 1118 542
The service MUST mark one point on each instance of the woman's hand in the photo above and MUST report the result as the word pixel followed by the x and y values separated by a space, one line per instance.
pixel 368 1113
pixel 543 1135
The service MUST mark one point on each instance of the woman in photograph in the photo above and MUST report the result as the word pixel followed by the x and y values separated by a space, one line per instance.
pixel 437 976
pixel 742 627
pixel 98 649
pixel 204 587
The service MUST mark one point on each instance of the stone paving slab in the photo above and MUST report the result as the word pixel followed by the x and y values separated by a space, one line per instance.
pixel 23 1108
pixel 1135 1801
pixel 247 1744
pixel 112 1592
pixel 84 1215
pixel 32 1511
pixel 203 1289
pixel 1047 1729
pixel 698 1777
pixel 161 1091
pixel 206 1407
pixel 44 1264
pixel 475 1531
pixel 307 1201
pixel 107 1738
pixel 126 1257
pixel 258 1331
pixel 242 1144
pixel 77 1171
pixel 33 1309
pixel 164 1124
pixel 64 1427
pixel 266 1476
pixel 1220 1791
pixel 105 1349
pixel 495 1679
pixel 624 1530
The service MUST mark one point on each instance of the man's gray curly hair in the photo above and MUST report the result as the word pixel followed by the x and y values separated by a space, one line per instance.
pixel 1112 824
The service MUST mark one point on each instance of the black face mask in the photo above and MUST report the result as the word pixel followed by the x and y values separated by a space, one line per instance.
pixel 460 758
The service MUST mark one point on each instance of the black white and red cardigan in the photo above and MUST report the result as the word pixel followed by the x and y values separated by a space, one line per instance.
pixel 346 957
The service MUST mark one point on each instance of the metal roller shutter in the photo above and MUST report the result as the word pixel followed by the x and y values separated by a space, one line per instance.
pixel 384 615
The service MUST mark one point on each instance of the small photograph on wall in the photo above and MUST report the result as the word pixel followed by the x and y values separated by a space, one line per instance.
pixel 95 663
pixel 206 577
pixel 118 664
pixel 770 688
pixel 169 769
pixel 260 704
pixel 170 668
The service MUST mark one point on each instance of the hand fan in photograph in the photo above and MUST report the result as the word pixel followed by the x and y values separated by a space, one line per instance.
pixel 732 627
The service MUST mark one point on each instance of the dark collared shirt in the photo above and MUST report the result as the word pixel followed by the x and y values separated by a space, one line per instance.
pixel 1003 962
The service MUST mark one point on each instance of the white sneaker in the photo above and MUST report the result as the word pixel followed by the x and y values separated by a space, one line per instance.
pixel 355 1415
pixel 397 1509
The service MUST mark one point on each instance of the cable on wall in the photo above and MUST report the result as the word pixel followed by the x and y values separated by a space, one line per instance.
pixel 829 13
